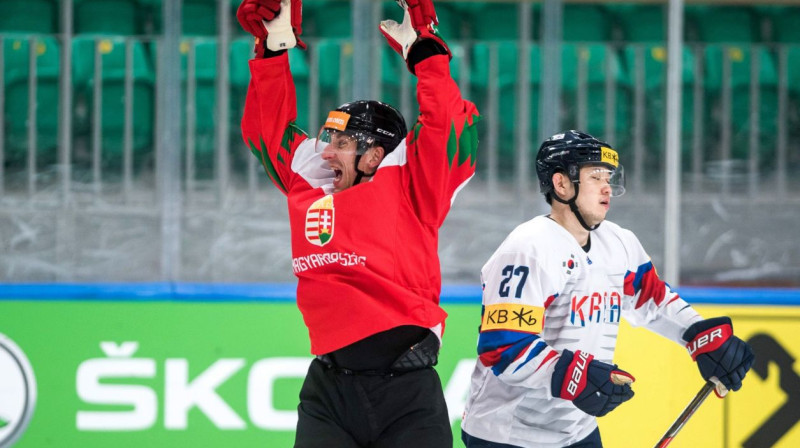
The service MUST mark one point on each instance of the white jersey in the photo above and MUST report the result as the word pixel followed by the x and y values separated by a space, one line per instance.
pixel 542 293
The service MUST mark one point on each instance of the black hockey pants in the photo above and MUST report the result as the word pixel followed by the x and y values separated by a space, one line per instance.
pixel 342 409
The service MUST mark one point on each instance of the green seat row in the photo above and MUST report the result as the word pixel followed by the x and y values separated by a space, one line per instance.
pixel 119 17
pixel 28 16
pixel 16 74
pixel 112 55
pixel 594 61
pixel 488 20
pixel 713 59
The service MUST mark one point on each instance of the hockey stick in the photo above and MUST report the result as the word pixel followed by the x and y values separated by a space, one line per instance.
pixel 685 415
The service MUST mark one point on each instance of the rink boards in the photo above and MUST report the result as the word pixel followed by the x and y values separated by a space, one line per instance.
pixel 221 365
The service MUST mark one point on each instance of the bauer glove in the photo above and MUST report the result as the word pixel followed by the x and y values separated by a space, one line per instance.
pixel 416 38
pixel 721 356
pixel 276 24
pixel 594 387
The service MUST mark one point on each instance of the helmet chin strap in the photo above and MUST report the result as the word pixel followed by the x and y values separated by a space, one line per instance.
pixel 574 207
pixel 360 174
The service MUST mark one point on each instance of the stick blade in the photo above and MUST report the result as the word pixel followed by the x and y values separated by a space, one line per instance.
pixel 620 379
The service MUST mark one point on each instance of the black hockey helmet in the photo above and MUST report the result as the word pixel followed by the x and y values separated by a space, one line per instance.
pixel 568 151
pixel 369 122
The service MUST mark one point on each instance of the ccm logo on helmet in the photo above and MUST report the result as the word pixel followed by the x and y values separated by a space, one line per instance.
pixel 708 341
pixel 575 382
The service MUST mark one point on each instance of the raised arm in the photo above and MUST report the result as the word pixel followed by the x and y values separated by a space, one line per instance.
pixel 442 145
pixel 268 123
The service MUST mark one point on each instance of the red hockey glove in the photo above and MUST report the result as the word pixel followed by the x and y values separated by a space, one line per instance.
pixel 720 355
pixel 419 24
pixel 422 13
pixel 253 13
pixel 276 24
pixel 594 387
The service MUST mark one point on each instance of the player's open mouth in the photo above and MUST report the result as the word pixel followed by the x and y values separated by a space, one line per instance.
pixel 337 175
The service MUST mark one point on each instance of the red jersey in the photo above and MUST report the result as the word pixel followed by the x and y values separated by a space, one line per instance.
pixel 366 258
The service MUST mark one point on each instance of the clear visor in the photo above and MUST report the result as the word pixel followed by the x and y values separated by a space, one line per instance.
pixel 602 176
pixel 342 141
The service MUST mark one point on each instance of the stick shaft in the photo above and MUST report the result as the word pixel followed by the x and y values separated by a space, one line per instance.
pixel 685 415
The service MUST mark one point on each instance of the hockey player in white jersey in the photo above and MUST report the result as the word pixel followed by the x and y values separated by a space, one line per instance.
pixel 553 295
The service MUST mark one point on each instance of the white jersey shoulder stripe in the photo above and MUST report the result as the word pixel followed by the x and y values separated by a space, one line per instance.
pixel 309 165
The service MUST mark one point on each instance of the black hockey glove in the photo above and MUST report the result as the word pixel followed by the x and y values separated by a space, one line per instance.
pixel 594 387
pixel 718 352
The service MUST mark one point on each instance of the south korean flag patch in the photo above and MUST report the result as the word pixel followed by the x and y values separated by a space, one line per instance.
pixel 320 221
pixel 570 265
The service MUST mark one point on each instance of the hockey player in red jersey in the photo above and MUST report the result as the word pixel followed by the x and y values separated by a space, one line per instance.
pixel 366 200
pixel 562 282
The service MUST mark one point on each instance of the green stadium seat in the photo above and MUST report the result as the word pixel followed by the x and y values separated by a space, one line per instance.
pixel 16 58
pixel 198 17
pixel 586 23
pixel 205 93
pixel 740 66
pixel 391 73
pixel 327 19
pixel 739 56
pixel 507 55
pixel 333 55
pixel 793 73
pixel 112 51
pixel 205 101
pixel 452 23
pixel 596 57
pixel 459 51
pixel 300 73
pixel 641 23
pixel 724 24
pixel 786 25
pixel 241 53
pixel 507 67
pixel 496 21
pixel 506 77
pixel 654 57
pixel 112 17
pixel 330 53
pixel 793 67
pixel 29 16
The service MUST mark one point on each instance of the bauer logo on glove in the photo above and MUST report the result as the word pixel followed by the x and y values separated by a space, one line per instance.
pixel 594 387
pixel 709 340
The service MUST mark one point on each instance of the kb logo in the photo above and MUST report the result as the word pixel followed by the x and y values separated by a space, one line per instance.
pixel 17 392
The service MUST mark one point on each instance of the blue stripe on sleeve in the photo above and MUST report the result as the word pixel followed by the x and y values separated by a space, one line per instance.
pixel 512 353
pixel 492 340
pixel 534 351
pixel 640 272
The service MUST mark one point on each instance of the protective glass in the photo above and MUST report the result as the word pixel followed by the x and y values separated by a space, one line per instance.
pixel 601 176
pixel 343 141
